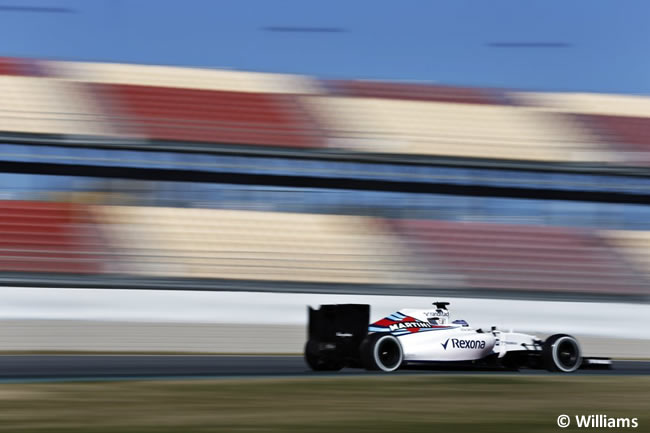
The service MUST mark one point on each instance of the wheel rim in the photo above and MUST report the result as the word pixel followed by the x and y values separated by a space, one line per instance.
pixel 388 354
pixel 566 354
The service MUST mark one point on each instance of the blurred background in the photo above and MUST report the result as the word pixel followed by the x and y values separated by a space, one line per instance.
pixel 204 168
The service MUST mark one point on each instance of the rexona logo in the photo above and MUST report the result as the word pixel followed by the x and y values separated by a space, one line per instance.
pixel 464 344
pixel 404 325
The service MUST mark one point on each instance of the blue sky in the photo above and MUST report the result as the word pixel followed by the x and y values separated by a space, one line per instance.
pixel 409 40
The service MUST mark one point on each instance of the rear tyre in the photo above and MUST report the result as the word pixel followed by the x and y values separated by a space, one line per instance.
pixel 381 351
pixel 320 360
pixel 561 352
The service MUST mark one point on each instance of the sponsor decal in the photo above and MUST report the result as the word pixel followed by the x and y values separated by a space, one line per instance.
pixel 437 313
pixel 405 325
pixel 463 344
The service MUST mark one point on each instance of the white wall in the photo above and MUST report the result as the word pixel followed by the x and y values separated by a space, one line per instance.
pixel 104 319
pixel 603 319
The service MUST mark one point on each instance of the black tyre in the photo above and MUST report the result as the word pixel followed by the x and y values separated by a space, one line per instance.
pixel 381 351
pixel 561 352
pixel 320 360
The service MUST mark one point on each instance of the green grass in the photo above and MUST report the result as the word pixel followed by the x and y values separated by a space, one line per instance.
pixel 347 404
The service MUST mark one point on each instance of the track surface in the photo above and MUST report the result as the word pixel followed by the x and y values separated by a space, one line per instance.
pixel 62 367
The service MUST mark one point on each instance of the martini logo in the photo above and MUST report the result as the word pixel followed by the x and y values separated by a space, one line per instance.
pixel 463 344
pixel 406 325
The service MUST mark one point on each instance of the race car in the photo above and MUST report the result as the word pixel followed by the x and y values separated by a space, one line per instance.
pixel 341 336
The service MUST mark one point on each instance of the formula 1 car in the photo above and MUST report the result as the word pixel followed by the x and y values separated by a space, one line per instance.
pixel 341 336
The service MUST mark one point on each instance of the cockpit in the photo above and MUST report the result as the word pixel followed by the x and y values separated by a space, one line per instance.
pixel 437 317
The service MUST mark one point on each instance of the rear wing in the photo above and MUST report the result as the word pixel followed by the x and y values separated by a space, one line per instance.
pixel 342 327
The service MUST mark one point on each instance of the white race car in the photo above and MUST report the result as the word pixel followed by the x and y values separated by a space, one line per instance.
pixel 341 336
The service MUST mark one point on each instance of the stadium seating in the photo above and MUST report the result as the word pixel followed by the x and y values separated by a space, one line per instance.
pixel 213 116
pixel 450 129
pixel 521 257
pixel 413 92
pixel 11 66
pixel 316 248
pixel 251 108
pixel 624 133
pixel 254 245
pixel 619 122
pixel 225 107
pixel 41 105
pixel 633 245
pixel 585 103
pixel 49 237
pixel 185 78
pixel 193 104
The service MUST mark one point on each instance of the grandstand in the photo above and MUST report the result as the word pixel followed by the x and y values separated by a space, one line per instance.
pixel 524 257
pixel 633 245
pixel 201 105
pixel 181 78
pixel 319 248
pixel 240 108
pixel 212 116
pixel 307 128
pixel 253 245
pixel 620 121
pixel 448 121
pixel 49 237
pixel 586 103
pixel 43 105
pixel 451 129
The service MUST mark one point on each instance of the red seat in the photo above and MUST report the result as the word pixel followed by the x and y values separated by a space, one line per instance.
pixel 631 134
pixel 166 113
pixel 522 257
pixel 414 91
pixel 48 237
pixel 10 66
pixel 20 66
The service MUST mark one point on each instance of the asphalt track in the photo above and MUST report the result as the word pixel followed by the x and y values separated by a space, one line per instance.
pixel 36 368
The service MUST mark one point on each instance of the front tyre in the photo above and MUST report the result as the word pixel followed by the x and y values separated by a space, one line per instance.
pixel 381 351
pixel 561 352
